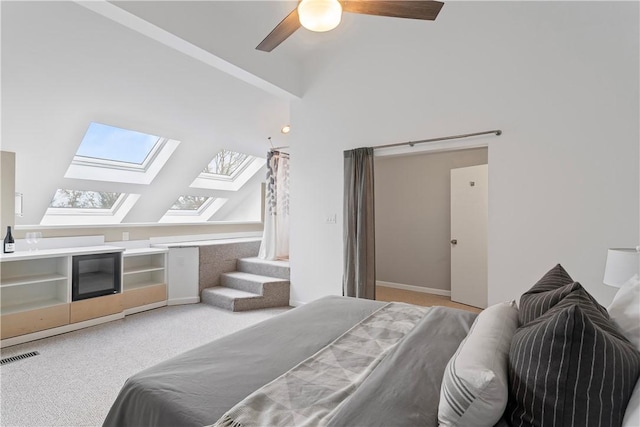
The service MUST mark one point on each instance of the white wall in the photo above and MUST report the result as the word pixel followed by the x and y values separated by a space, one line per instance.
pixel 561 81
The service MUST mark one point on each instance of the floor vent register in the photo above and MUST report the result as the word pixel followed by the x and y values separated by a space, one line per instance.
pixel 18 357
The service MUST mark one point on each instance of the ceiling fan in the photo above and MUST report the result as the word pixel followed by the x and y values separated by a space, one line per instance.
pixel 325 15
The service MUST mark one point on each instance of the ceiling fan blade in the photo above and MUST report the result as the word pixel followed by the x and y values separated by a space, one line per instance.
pixel 284 29
pixel 424 9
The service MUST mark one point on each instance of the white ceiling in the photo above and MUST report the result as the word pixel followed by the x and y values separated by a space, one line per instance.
pixel 232 29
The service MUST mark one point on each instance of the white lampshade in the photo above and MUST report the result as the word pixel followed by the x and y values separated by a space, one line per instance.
pixel 320 15
pixel 622 265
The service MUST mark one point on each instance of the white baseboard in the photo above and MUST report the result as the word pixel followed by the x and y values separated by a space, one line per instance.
pixel 142 308
pixel 185 300
pixel 414 288
pixel 293 303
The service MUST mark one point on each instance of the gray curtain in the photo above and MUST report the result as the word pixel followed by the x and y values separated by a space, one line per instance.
pixel 359 278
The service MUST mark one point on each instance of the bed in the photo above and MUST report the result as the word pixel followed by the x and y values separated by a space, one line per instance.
pixel 342 361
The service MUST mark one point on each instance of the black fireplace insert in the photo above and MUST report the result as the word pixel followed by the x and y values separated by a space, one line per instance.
pixel 96 275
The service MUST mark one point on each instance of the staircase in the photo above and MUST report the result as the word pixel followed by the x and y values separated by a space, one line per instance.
pixel 257 284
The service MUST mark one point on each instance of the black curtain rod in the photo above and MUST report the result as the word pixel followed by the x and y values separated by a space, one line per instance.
pixel 443 138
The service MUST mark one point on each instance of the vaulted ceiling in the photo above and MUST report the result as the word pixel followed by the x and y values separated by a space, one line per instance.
pixel 186 70
pixel 64 66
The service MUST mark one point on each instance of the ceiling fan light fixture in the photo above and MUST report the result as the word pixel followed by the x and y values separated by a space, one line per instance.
pixel 320 15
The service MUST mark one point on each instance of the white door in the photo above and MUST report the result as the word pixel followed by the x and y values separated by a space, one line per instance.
pixel 469 214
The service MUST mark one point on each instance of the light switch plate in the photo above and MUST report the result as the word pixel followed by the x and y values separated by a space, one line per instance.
pixel 330 219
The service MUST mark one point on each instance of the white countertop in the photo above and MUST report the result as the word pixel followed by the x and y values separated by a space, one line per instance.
pixel 196 243
pixel 145 251
pixel 52 253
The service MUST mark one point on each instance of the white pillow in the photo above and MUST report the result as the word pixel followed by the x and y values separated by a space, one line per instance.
pixel 632 413
pixel 625 310
pixel 474 388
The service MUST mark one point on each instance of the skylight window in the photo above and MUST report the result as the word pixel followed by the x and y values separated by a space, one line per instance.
pixel 193 209
pixel 120 145
pixel 226 163
pixel 228 170
pixel 189 203
pixel 84 207
pixel 78 199
pixel 113 154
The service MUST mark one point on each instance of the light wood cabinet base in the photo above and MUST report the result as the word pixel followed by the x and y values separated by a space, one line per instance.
pixel 61 318
pixel 95 307
pixel 143 296
pixel 26 322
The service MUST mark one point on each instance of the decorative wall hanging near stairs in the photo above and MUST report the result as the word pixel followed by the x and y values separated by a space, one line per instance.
pixel 257 284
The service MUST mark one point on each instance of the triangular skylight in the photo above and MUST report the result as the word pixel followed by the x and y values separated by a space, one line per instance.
pixel 109 153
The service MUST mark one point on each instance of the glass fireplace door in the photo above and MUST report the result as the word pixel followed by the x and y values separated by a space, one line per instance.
pixel 96 275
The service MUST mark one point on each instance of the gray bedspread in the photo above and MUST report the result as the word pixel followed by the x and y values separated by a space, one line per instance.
pixel 199 386
pixel 404 390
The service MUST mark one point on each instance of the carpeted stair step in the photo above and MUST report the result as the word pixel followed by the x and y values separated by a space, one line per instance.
pixel 253 283
pixel 257 284
pixel 263 267
pixel 237 300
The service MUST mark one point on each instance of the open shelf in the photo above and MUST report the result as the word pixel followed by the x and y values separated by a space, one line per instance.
pixel 142 269
pixel 33 284
pixel 36 278
pixel 34 295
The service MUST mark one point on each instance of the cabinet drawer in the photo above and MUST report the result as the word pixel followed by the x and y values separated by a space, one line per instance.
pixel 144 296
pixel 26 322
pixel 95 307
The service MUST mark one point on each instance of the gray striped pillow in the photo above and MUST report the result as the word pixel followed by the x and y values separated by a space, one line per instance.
pixel 567 368
pixel 474 388
pixel 547 292
pixel 597 313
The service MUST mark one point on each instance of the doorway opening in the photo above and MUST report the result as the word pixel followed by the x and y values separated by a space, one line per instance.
pixel 414 240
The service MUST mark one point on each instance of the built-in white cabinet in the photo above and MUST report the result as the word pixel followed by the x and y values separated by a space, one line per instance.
pixel 184 267
pixel 144 267
pixel 36 291
pixel 144 278
pixel 34 295
pixel 34 284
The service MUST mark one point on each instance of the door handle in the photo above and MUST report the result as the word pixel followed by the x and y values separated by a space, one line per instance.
pixel 454 241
